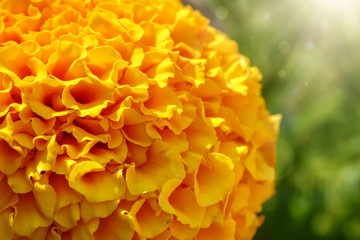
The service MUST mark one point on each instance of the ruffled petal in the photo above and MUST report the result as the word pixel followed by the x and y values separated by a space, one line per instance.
pixel 44 98
pixel 181 202
pixel 201 137
pixel 110 26
pixel 156 35
pixel 54 234
pixel 214 180
pixel 85 230
pixel 218 232
pixel 158 67
pixel 47 158
pixel 68 217
pixel 240 196
pixel 45 198
pixel 65 194
pixel 8 197
pixel 162 103
pixel 161 159
pixel 137 134
pixel 91 180
pixel 60 61
pixel 102 60
pixel 10 158
pixel 90 102
pixel 20 182
pixel 149 222
pixel 26 209
pixel 118 226
pixel 90 210
pixel 6 224
pixel 13 61
pixel 182 231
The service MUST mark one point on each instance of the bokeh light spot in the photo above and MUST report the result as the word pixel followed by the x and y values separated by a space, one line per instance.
pixel 310 45
pixel 284 47
pixel 221 12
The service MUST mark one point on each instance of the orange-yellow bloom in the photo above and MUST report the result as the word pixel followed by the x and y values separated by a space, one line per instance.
pixel 128 120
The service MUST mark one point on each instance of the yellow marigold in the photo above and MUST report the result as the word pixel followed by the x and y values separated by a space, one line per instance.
pixel 124 119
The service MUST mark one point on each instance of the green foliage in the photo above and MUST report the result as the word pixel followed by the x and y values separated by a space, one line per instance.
pixel 308 54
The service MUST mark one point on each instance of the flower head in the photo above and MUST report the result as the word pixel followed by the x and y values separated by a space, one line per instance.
pixel 128 120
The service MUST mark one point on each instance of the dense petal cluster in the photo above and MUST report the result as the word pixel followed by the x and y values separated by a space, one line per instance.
pixel 124 119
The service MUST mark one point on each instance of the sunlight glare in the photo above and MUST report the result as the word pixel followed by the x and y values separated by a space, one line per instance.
pixel 335 5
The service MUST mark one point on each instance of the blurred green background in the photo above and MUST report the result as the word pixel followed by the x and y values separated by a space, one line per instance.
pixel 309 54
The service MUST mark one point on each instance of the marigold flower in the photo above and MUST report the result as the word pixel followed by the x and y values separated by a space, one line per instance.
pixel 128 120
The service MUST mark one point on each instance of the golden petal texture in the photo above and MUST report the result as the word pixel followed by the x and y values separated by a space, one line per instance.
pixel 128 120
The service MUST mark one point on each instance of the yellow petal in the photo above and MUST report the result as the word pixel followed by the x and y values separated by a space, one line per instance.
pixel 179 122
pixel 10 96
pixel 68 217
pixel 70 145
pixel 87 95
pixel 234 150
pixel 218 232
pixel 60 61
pixel 265 171
pixel 201 137
pixel 102 154
pixel 101 60
pixel 134 78
pixel 45 198
pixel 95 183
pixel 214 180
pixel 6 224
pixel 158 67
pixel 54 234
pixel 8 197
pixel 65 194
pixel 213 214
pixel 19 181
pixel 177 142
pixel 26 209
pixel 39 233
pixel 41 126
pixel 13 61
pixel 192 161
pixel 193 70
pixel 208 89
pixel 16 8
pixel 44 97
pixel 246 112
pixel 247 232
pixel 162 103
pixel 260 192
pixel 148 222
pixel 156 35
pixel 46 159
pixel 137 134
pixel 136 154
pixel 97 210
pixel 118 226
pixel 110 26
pixel 163 161
pixel 188 19
pixel 85 230
pixel 257 164
pixel 10 159
pixel 181 202
pixel 239 199
pixel 165 235
pixel 116 139
pixel 182 231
